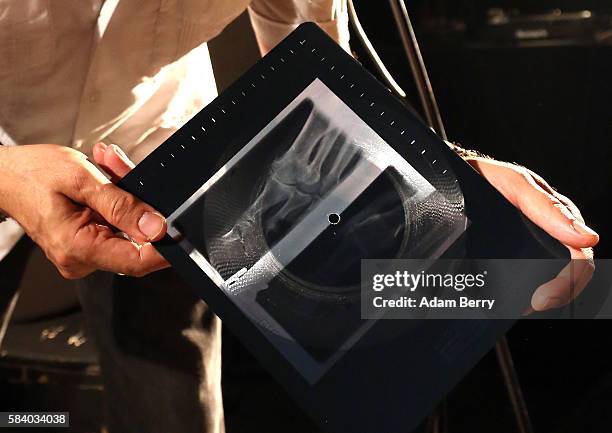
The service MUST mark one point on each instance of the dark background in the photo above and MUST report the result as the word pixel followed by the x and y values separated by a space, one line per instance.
pixel 546 105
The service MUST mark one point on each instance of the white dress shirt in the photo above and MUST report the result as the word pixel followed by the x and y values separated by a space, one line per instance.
pixel 75 72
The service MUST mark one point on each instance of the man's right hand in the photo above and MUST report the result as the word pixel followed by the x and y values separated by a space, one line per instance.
pixel 73 212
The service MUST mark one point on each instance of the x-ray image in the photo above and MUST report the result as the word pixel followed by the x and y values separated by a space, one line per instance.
pixel 284 223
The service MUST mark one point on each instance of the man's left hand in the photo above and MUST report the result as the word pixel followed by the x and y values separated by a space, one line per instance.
pixel 554 213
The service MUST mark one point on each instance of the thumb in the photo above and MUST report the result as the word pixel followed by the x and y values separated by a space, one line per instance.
pixel 119 208
pixel 124 211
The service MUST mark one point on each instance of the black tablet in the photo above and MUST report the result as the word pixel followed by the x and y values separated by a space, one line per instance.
pixel 278 190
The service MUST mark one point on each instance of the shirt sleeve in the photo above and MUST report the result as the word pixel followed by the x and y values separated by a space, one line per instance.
pixel 272 20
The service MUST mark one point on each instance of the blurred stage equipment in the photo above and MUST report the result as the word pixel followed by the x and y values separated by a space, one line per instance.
pixel 556 27
pixel 529 82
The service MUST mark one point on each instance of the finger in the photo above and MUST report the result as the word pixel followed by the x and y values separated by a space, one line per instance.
pixel 552 191
pixel 568 284
pixel 570 205
pixel 129 258
pixel 112 160
pixel 112 253
pixel 553 216
pixel 98 152
pixel 542 182
pixel 325 152
pixel 343 155
pixel 117 161
pixel 544 209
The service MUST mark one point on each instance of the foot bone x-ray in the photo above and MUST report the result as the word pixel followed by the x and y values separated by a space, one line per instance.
pixel 285 222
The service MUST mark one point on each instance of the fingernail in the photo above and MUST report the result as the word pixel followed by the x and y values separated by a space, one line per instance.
pixel 119 152
pixel 542 302
pixel 151 224
pixel 101 146
pixel 581 228
pixel 553 302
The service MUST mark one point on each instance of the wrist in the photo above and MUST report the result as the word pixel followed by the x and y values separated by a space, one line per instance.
pixel 467 154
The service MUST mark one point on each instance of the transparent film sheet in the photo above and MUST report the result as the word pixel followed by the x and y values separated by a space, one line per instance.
pixel 283 225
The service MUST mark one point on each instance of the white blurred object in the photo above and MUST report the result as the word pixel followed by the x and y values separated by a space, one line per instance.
pixel 10 231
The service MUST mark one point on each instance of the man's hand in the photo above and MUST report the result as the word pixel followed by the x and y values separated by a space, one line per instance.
pixel 73 212
pixel 554 213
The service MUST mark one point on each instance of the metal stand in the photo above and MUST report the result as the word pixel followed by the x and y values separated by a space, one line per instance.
pixel 513 386
pixel 417 65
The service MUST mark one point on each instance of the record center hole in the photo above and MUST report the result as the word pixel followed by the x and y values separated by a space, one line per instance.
pixel 333 218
